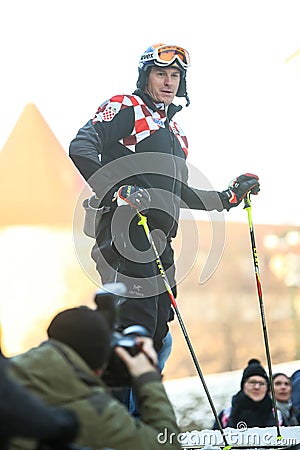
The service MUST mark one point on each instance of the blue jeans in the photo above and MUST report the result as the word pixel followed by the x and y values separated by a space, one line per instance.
pixel 162 356
pixel 165 351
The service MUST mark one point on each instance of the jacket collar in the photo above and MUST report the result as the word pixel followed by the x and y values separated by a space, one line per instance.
pixel 172 109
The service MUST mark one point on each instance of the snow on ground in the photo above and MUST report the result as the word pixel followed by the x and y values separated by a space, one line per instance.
pixel 190 401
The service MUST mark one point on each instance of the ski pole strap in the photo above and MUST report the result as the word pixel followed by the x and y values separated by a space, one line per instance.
pixel 143 222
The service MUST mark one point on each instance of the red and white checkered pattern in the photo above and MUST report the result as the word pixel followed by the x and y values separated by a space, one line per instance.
pixel 146 120
pixel 175 128
pixel 107 111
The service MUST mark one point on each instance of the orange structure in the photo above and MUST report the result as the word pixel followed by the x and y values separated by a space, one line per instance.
pixel 38 182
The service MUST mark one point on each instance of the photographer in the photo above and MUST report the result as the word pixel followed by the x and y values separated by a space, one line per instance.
pixel 66 370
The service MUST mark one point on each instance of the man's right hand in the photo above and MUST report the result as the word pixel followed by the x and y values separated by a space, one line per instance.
pixel 134 196
pixel 144 361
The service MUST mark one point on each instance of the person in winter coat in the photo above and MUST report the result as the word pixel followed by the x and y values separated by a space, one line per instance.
pixel 252 405
pixel 296 389
pixel 283 394
pixel 66 370
pixel 23 414
pixel 132 154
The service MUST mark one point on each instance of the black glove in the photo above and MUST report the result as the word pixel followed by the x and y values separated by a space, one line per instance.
pixel 238 189
pixel 134 196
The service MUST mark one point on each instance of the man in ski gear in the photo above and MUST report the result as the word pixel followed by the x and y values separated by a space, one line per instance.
pixel 67 368
pixel 132 152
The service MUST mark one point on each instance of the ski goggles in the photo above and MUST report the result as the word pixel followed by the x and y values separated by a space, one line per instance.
pixel 165 55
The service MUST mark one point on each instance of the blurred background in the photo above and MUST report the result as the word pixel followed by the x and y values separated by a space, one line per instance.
pixel 59 62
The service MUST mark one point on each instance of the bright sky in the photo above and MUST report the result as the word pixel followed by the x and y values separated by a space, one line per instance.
pixel 68 56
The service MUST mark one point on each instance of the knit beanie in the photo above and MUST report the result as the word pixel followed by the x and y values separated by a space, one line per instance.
pixel 254 368
pixel 86 331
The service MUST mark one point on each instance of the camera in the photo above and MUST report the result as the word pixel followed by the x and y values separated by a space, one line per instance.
pixel 116 373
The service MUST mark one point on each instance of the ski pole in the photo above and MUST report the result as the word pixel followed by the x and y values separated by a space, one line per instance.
pixel 143 222
pixel 248 208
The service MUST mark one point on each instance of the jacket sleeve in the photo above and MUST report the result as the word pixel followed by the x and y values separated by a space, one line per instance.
pixel 84 150
pixel 91 147
pixel 296 389
pixel 113 427
pixel 156 410
pixel 200 199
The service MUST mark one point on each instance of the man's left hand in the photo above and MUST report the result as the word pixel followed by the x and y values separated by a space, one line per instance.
pixel 238 189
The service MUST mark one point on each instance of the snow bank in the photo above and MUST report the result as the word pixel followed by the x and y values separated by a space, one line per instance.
pixel 190 402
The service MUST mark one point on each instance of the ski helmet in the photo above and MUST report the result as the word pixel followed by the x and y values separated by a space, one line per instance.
pixel 163 55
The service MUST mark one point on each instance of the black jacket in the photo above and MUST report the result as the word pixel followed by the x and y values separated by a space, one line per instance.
pixel 23 414
pixel 153 149
pixel 244 412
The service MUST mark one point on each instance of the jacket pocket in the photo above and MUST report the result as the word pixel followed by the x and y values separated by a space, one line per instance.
pixel 93 215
